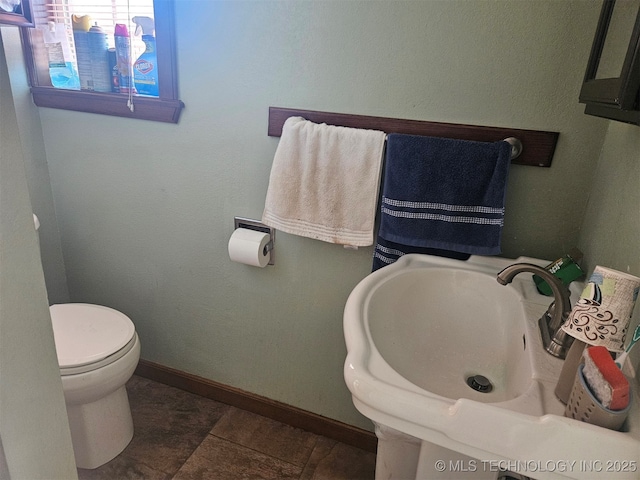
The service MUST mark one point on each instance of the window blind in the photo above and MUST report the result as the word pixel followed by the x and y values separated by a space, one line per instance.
pixel 106 13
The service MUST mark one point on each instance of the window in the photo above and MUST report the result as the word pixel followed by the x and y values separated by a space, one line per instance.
pixel 166 107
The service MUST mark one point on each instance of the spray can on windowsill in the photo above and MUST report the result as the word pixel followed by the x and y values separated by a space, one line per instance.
pixel 123 59
pixel 91 53
pixel 99 59
pixel 566 269
pixel 81 26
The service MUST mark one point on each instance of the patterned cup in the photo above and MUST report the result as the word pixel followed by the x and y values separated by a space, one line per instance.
pixel 601 316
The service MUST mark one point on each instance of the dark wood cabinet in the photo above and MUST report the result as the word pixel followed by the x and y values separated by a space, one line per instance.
pixel 611 87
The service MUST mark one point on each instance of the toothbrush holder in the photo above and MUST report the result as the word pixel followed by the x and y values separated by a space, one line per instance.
pixel 585 407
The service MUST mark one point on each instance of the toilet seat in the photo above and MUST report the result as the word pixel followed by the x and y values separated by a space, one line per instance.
pixel 88 336
pixel 105 361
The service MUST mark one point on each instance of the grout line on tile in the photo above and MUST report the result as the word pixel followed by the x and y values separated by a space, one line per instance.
pixel 258 451
pixel 174 474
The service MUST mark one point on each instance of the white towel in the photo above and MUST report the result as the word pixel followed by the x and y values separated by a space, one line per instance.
pixel 324 182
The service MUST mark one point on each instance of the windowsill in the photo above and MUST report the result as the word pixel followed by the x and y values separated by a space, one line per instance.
pixel 145 108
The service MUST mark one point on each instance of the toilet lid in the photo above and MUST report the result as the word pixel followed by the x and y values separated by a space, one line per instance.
pixel 87 333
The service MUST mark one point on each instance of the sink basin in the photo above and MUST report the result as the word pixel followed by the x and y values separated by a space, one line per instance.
pixel 417 330
pixel 446 338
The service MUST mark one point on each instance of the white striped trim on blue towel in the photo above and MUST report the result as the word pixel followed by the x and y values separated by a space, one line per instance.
pixel 384 259
pixel 446 207
pixel 390 251
pixel 444 218
pixel 442 206
pixel 387 251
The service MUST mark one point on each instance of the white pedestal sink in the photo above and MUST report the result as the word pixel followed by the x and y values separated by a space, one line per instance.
pixel 417 330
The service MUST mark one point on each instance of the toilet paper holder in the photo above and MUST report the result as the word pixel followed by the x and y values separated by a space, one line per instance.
pixel 258 226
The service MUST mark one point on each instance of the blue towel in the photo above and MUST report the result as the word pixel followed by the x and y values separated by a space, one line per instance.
pixel 387 252
pixel 443 194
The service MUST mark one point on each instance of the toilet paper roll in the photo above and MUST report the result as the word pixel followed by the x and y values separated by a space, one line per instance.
pixel 248 247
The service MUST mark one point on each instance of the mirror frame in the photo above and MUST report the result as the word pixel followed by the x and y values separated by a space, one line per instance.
pixel 607 94
pixel 22 19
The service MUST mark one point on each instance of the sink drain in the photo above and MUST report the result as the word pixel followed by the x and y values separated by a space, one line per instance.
pixel 513 476
pixel 480 383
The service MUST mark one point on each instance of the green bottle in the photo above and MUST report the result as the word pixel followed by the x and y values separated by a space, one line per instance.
pixel 566 269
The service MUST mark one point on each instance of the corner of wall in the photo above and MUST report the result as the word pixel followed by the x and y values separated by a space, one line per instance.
pixel 35 165
pixel 31 393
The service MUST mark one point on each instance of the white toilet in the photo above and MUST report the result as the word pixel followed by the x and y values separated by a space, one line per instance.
pixel 98 350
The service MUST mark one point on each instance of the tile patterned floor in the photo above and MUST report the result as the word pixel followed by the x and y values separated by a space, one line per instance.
pixel 182 436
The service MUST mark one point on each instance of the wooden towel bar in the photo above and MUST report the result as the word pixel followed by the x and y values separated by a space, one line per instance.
pixel 538 146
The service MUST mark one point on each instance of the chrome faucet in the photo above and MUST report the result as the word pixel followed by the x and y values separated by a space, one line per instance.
pixel 554 339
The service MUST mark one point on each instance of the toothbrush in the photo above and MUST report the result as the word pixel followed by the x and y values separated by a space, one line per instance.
pixel 623 356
